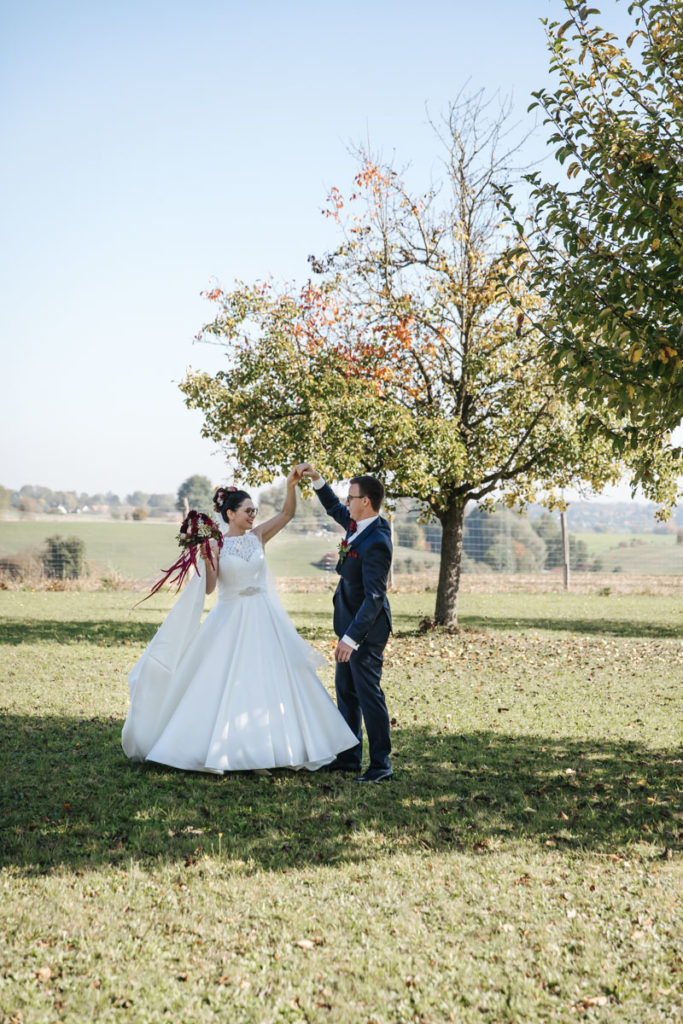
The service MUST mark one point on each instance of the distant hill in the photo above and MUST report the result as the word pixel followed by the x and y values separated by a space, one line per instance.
pixel 615 517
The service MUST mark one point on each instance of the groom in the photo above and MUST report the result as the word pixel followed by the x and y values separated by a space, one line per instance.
pixel 362 618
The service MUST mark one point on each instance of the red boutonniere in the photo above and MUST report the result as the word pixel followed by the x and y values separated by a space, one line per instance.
pixel 346 550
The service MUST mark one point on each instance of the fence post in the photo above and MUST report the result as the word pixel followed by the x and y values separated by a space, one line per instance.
pixel 565 548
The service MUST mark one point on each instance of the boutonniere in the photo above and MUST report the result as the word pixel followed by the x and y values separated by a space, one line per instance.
pixel 344 550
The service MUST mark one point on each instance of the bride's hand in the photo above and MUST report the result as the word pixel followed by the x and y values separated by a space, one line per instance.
pixel 295 475
pixel 306 469
pixel 213 544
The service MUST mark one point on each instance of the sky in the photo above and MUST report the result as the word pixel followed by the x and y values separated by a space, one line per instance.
pixel 154 149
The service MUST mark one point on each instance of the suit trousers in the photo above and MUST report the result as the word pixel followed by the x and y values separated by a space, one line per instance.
pixel 360 699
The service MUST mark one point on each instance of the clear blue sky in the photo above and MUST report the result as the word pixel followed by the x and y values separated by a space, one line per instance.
pixel 152 148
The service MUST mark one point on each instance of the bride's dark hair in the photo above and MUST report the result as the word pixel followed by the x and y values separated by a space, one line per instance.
pixel 228 498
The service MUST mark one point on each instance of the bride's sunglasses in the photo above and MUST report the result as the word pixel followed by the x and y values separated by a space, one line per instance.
pixel 251 511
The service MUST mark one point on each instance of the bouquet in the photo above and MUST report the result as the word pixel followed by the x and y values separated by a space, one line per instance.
pixel 196 531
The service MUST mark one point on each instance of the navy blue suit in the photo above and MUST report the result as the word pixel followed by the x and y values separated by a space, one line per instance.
pixel 361 611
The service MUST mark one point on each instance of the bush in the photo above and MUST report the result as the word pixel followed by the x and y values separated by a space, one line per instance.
pixel 140 514
pixel 23 567
pixel 63 558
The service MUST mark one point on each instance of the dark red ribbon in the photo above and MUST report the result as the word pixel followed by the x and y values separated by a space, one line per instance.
pixel 182 566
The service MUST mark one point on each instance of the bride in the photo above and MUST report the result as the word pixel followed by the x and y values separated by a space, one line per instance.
pixel 240 691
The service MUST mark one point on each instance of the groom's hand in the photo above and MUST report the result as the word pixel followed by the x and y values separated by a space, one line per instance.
pixel 343 652
pixel 306 469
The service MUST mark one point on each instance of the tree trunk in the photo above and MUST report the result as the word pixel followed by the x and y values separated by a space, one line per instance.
pixel 446 612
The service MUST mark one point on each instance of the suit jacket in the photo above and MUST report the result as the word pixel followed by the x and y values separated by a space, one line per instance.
pixel 361 607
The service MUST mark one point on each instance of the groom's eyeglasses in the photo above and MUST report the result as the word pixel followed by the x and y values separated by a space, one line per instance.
pixel 351 497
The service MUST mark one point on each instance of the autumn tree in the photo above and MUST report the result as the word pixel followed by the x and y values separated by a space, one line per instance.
pixel 604 245
pixel 406 360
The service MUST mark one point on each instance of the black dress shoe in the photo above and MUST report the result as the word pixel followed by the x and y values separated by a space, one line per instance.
pixel 375 775
pixel 341 766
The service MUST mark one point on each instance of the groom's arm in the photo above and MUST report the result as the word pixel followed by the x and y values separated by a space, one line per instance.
pixel 331 503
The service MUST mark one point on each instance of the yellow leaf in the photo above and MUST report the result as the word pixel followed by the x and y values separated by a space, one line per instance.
pixel 656 244
pixel 635 353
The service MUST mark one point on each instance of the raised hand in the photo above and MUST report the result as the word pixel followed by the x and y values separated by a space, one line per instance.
pixel 307 470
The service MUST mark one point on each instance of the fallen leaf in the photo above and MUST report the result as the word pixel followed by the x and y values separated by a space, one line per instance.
pixel 589 1001
pixel 304 944
pixel 44 974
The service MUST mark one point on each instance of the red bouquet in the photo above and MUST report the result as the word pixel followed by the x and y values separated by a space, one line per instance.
pixel 197 530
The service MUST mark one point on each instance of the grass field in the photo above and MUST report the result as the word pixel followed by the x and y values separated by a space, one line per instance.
pixel 521 867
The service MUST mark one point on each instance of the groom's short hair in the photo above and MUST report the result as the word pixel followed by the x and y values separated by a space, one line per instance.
pixel 370 487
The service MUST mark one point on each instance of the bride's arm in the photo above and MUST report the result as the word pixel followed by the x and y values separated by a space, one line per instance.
pixel 211 570
pixel 272 526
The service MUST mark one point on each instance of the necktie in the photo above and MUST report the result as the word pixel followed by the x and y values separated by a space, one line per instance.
pixel 353 526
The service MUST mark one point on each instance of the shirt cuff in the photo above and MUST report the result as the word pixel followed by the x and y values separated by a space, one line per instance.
pixel 317 484
pixel 346 639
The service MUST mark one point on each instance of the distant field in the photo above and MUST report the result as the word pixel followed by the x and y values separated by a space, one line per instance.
pixel 141 550
pixel 137 550
pixel 636 553
pixel 597 543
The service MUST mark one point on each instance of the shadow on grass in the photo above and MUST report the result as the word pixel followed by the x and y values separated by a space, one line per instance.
pixel 317 627
pixel 593 627
pixel 101 631
pixel 71 799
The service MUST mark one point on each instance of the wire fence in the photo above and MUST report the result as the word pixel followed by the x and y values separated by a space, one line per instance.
pixel 497 545
pixel 506 543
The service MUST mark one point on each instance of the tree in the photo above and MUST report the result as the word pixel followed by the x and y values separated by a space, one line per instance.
pixel 138 498
pixel 164 502
pixel 198 492
pixel 406 361
pixel 605 247
pixel 63 557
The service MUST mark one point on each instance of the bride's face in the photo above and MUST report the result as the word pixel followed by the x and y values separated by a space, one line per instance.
pixel 244 515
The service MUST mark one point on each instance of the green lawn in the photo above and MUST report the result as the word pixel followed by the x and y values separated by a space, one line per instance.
pixel 523 866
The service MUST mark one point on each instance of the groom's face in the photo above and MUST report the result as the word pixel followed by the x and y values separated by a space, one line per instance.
pixel 357 502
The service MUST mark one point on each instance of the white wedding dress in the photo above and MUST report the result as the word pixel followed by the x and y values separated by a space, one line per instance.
pixel 237 692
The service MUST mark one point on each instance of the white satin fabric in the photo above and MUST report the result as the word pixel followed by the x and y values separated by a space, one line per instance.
pixel 237 692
